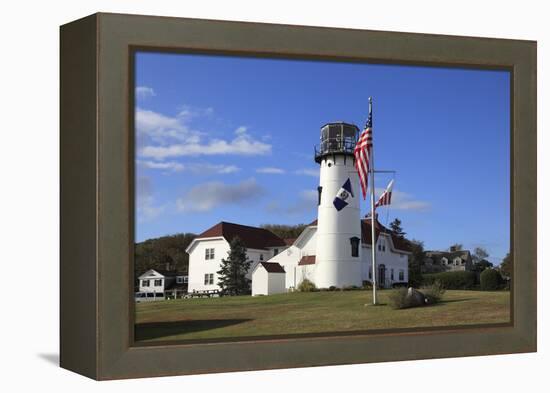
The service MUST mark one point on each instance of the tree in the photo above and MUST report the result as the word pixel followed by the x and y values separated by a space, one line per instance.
pixel 479 259
pixel 506 266
pixel 479 254
pixel 163 253
pixel 285 231
pixel 232 276
pixel 416 260
pixel 395 226
pixel 482 265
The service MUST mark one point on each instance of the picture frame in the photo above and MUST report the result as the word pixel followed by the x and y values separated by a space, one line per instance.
pixel 97 199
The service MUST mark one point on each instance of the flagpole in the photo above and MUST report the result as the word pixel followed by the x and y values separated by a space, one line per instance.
pixel 373 223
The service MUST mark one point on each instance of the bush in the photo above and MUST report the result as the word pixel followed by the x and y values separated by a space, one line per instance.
pixel 490 280
pixel 351 288
pixel 434 293
pixel 367 285
pixel 399 300
pixel 307 286
pixel 451 280
pixel 332 288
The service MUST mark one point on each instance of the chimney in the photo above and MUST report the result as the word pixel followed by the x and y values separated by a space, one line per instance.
pixel 167 266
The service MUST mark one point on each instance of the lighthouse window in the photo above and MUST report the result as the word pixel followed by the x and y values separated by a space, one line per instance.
pixel 354 241
pixel 319 190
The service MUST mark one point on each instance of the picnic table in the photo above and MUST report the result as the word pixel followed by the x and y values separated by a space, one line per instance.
pixel 204 293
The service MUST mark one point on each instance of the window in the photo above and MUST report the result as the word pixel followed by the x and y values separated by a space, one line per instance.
pixel 319 191
pixel 381 245
pixel 401 275
pixel 208 253
pixel 209 279
pixel 185 279
pixel 179 279
pixel 391 274
pixel 275 251
pixel 370 273
pixel 457 261
pixel 261 257
pixel 144 283
pixel 158 283
pixel 354 241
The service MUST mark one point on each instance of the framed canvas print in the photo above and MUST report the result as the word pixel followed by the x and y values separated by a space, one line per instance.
pixel 242 196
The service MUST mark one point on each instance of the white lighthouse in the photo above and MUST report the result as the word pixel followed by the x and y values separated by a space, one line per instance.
pixel 338 259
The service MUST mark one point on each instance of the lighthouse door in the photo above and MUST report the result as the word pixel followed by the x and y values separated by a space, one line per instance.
pixel 382 276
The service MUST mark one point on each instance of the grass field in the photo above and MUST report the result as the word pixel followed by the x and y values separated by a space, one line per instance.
pixel 313 312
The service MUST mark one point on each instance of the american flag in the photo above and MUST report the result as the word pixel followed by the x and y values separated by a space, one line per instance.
pixel 362 153
pixel 385 198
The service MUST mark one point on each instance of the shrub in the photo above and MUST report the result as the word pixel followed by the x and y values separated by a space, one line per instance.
pixel 306 286
pixel 451 280
pixel 398 299
pixel 490 280
pixel 367 285
pixel 332 288
pixel 351 288
pixel 434 293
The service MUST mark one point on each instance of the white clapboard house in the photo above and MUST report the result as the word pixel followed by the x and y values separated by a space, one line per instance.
pixel 210 247
pixel 157 284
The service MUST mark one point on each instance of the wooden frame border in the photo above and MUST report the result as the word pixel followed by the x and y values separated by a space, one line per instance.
pixel 97 205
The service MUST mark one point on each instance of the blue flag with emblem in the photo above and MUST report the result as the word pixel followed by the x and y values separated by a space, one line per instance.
pixel 343 195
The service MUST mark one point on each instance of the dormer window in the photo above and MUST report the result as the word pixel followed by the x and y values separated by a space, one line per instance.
pixel 261 257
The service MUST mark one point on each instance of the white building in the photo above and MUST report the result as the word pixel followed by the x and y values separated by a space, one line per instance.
pixel 154 283
pixel 333 251
pixel 267 279
pixel 298 260
pixel 210 247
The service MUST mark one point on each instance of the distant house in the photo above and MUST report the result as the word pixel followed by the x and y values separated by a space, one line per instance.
pixel 155 283
pixel 452 260
pixel 268 278
pixel 208 249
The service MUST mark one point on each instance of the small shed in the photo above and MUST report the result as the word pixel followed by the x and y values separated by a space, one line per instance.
pixel 268 278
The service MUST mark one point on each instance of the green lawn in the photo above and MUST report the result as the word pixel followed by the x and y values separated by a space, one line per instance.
pixel 313 312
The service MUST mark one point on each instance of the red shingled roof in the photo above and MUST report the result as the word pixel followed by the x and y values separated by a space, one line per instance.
pixel 289 242
pixel 366 235
pixel 252 237
pixel 272 267
pixel 307 260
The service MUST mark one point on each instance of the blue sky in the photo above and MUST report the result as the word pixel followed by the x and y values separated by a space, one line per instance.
pixel 231 138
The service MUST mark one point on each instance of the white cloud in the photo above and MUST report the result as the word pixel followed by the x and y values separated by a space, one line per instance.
pixel 167 165
pixel 207 196
pixel 194 168
pixel 305 202
pixel 271 170
pixel 404 201
pixel 189 112
pixel 143 92
pixel 307 172
pixel 146 210
pixel 161 137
